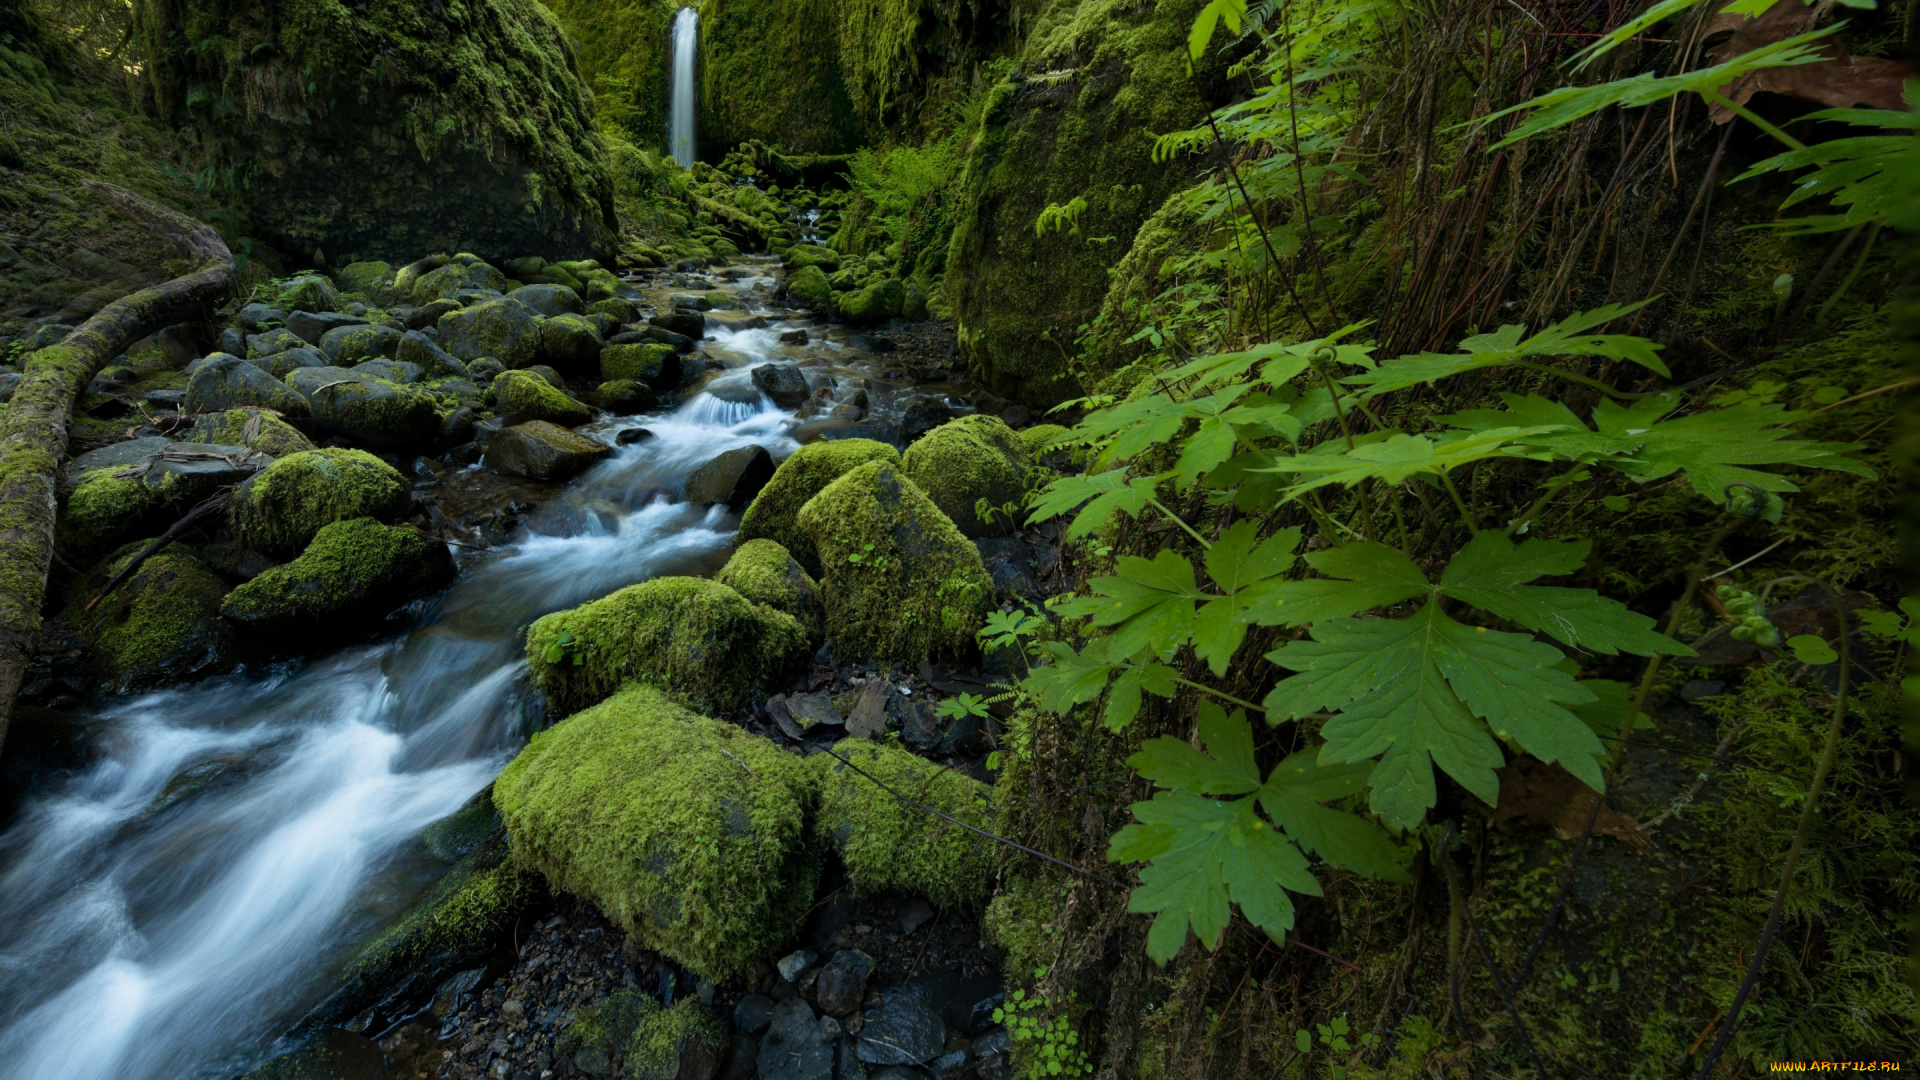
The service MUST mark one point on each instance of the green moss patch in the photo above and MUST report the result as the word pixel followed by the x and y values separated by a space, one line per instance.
pixel 357 568
pixel 255 429
pixel 698 640
pixel 763 572
pixel 688 832
pixel 280 509
pixel 159 626
pixel 969 460
pixel 900 581
pixel 666 1037
pixel 104 511
pixel 773 513
pixel 524 396
pixel 889 845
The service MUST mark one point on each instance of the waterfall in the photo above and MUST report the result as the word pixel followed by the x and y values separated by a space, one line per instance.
pixel 686 32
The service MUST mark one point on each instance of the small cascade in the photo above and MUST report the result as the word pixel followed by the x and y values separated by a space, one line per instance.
pixel 686 35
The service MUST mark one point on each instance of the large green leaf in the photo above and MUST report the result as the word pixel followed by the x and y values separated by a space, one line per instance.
pixel 1098 496
pixel 1492 574
pixel 1400 456
pixel 1568 337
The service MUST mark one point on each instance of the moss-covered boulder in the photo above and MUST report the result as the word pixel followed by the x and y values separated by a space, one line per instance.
pixel 502 329
pixel 228 382
pixel 774 512
pixel 159 626
pixel 686 831
pixel 888 845
pixel 348 345
pixel 808 287
pixel 571 343
pixel 522 396
pixel 458 276
pixel 549 300
pixel 353 570
pixel 965 461
pixel 763 572
pixel 280 509
pixel 367 408
pixel 874 303
pixel 698 640
pixel 371 279
pixel 685 1042
pixel 626 397
pixel 900 581
pixel 652 363
pixel 471 133
pixel 255 429
pixel 105 510
pixel 542 451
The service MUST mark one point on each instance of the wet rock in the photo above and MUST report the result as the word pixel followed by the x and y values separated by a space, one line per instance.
pixel 753 1013
pixel 949 1061
pixel 417 348
pixel 430 314
pixel 549 300
pixel 9 382
pixel 792 1049
pixel 333 1054
pixel 921 729
pixel 258 317
pixel 692 302
pixel 733 477
pixel 921 415
pixel 992 1055
pixel 880 708
pixel 282 364
pixel 502 329
pixel 570 343
pixel 312 326
pixel 522 395
pixel 233 340
pixel 794 337
pixel 368 409
pixel 352 571
pixel 796 963
pixel 626 397
pixel 158 627
pixel 542 451
pixel 398 371
pixel 843 982
pixel 913 915
pixel 273 341
pixel 228 382
pixel 346 345
pixel 629 436
pixel 165 400
pixel 680 343
pixel 654 364
pixel 784 382
pixel 902 1030
pixel 847 1063
pixel 685 323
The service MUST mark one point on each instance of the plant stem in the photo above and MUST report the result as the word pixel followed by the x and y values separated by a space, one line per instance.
pixel 1175 518
pixel 1221 694
pixel 1750 117
pixel 1472 522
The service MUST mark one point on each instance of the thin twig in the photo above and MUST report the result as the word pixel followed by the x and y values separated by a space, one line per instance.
pixel 213 502
pixel 1506 997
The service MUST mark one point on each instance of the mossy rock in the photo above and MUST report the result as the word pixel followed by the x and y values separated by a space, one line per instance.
pixel 809 287
pixel 105 510
pixel 890 846
pixel 358 569
pixel 964 461
pixel 596 1042
pixel 774 512
pixel 281 508
pixel 677 1043
pixel 348 345
pixel 698 640
pixel 686 831
pixel 523 396
pixel 901 582
pixel 874 303
pixel 626 397
pixel 454 278
pixel 764 572
pixel 159 626
pixel 255 429
pixel 570 342
pixel 801 256
pixel 367 408
pixel 372 279
pixel 655 364
pixel 332 1054
pixel 308 292
pixel 503 329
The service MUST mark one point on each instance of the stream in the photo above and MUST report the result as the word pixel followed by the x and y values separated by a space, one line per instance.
pixel 169 908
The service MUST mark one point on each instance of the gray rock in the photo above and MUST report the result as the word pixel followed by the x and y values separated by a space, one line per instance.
pixel 344 343
pixel 794 337
pixel 830 1029
pixel 663 336
pixel 258 317
pixel 428 315
pixel 902 1030
pixel 691 302
pixel 922 731
pixel 271 342
pixel 880 708
pixel 281 364
pixel 549 299
pixel 811 710
pixel 233 340
pixel 503 329
pixel 843 982
pixel 784 382
pixel 629 436
pixel 484 369
pixel 733 477
pixel 228 382
pixel 688 324
pixel 311 326
pixel 367 408
pixel 391 370
pixel 461 390
pixel 948 1062
pixel 9 382
pixel 847 1064
pixel 170 400
pixel 913 915
pixel 542 451
pixel 457 426
pixel 897 1073
pixel 196 470
pixel 50 334
pixel 417 348
pixel 130 452
pixel 922 415
pixel 627 398
pixel 797 963
pixel 792 1049
pixel 753 1014
pixel 570 343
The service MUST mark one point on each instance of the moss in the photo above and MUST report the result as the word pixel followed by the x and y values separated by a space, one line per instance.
pixel 888 845
pixel 446 282
pixel 808 286
pixel 371 279
pixel 662 1037
pixel 773 78
pixel 352 568
pixel 1016 295
pixel 503 329
pixel 278 510
pixel 370 409
pixel 307 292
pixel 348 345
pixel 774 512
pixel 645 362
pixel 626 397
pixel 160 625
pixel 255 429
pixel 698 640
pixel 105 511
pixel 900 581
pixel 763 572
pixel 804 255
pixel 965 461
pixel 526 396
pixel 687 832
pixel 875 303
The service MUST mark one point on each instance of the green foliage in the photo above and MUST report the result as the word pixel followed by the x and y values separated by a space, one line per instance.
pixel 888 844
pixel 1043 1036
pixel 1870 179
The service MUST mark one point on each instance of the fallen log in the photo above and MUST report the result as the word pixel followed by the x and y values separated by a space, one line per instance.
pixel 33 429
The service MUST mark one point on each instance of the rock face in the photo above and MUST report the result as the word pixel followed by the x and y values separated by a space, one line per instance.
pixel 472 133
pixel 784 382
pixel 542 451
pixel 228 382
pixel 353 570
pixel 698 640
pixel 964 461
pixel 916 588
pixel 889 846
pixel 524 396
pixel 367 408
pixel 763 572
pixel 280 509
pixel 686 831
pixel 733 477
pixel 774 512
pixel 502 329
pixel 159 626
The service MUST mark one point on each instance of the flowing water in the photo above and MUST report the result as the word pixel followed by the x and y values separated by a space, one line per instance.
pixel 686 35
pixel 167 910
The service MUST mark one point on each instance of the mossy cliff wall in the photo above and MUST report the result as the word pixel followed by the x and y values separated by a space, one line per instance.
pixel 770 70
pixel 625 59
pixel 1076 118
pixel 388 128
